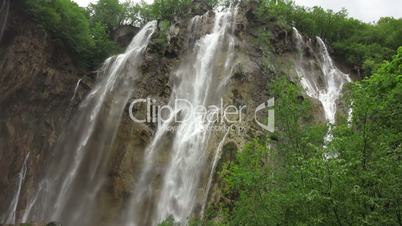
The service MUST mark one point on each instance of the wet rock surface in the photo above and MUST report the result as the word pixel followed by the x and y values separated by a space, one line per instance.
pixel 37 80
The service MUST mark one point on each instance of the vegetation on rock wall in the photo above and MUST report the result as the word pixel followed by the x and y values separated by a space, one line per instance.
pixel 88 31
pixel 361 45
pixel 292 183
pixel 167 9
pixel 85 33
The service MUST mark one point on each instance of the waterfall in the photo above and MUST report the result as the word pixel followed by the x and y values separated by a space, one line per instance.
pixel 170 188
pixel 326 85
pixel 10 216
pixel 77 168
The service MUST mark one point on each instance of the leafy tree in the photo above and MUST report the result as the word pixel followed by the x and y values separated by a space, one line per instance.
pixel 269 186
pixel 87 37
pixel 291 183
pixel 66 21
pixel 373 145
pixel 143 12
pixel 110 13
pixel 103 45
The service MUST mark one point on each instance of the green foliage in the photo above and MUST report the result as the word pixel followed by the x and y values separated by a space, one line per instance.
pixel 293 184
pixel 103 45
pixel 110 13
pixel 168 222
pixel 104 17
pixel 66 21
pixel 167 9
pixel 372 146
pixel 87 33
pixel 88 40
pixel 263 37
pixel 159 10
pixel 143 12
pixel 358 44
pixel 161 40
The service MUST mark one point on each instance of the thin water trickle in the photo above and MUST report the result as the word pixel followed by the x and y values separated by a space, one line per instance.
pixel 75 90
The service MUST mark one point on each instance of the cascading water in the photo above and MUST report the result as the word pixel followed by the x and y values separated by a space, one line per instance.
pixel 76 171
pixel 171 188
pixel 326 85
pixel 10 216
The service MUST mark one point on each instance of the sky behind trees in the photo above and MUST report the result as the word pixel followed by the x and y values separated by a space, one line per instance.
pixel 366 10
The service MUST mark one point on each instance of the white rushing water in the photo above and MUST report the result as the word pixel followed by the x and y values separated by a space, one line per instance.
pixel 10 216
pixel 171 188
pixel 75 90
pixel 76 171
pixel 326 85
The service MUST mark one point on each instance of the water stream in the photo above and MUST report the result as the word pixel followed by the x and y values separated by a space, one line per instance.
pixel 325 85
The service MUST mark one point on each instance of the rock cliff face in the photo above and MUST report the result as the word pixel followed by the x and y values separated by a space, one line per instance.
pixel 39 91
pixel 37 83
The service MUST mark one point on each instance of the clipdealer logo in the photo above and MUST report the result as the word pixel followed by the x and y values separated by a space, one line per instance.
pixel 182 110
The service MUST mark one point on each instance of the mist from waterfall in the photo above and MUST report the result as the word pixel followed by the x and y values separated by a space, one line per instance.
pixel 326 85
pixel 172 187
pixel 76 170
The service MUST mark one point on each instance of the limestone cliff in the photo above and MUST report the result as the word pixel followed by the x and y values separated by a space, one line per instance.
pixel 37 83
